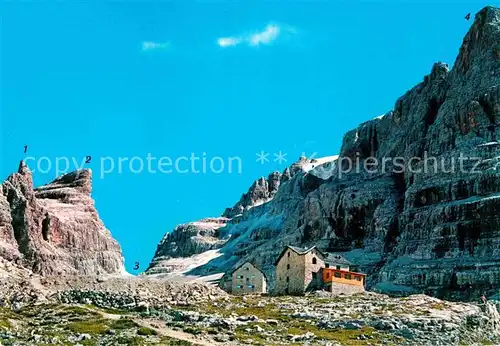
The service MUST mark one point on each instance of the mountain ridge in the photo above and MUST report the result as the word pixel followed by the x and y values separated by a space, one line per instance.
pixel 408 231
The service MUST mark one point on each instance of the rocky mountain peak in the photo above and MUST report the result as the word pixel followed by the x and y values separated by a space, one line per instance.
pixel 79 181
pixel 481 42
pixel 264 189
pixel 55 228
pixel 22 181
pixel 431 230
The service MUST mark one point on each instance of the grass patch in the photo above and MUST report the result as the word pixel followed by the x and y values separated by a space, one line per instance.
pixel 111 311
pixel 131 341
pixel 268 312
pixel 243 335
pixel 5 323
pixel 92 327
pixel 165 340
pixel 343 336
pixel 74 310
pixel 437 306
pixel 123 323
pixel 192 330
pixel 146 331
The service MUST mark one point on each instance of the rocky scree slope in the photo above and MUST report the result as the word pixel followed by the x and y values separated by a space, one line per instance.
pixel 211 233
pixel 55 229
pixel 410 230
pixel 205 317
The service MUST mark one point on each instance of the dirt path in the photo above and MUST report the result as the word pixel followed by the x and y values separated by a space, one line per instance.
pixel 157 325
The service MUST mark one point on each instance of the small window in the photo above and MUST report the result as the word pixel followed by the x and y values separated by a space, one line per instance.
pixel 327 265
pixel 238 286
pixel 327 275
pixel 315 275
pixel 288 253
pixel 347 276
pixel 247 268
pixel 358 278
pixel 248 279
pixel 251 286
pixel 337 275
pixel 240 276
pixel 337 267
pixel 314 260
pixel 287 279
pixel 287 266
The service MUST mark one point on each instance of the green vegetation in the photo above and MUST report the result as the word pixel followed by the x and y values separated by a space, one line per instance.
pixel 60 323
pixel 344 336
pixel 438 306
pixel 168 341
pixel 131 341
pixel 146 331
pixel 110 311
pixel 192 330
pixel 91 327
pixel 5 323
pixel 76 312
pixel 123 323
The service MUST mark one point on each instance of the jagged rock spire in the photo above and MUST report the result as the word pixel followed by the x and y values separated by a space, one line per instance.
pixel 23 168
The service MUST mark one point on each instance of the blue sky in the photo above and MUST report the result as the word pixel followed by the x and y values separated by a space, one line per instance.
pixel 124 79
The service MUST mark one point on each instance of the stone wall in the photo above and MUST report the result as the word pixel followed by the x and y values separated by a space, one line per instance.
pixel 292 266
pixel 245 276
pixel 299 270
pixel 313 270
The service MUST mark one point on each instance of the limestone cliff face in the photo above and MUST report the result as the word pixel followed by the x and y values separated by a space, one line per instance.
pixel 187 240
pixel 413 223
pixel 55 229
pixel 262 191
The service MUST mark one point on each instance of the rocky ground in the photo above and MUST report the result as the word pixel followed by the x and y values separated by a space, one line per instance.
pixel 145 311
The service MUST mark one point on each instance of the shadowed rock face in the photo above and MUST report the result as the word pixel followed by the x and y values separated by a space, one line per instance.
pixel 55 229
pixel 419 228
pixel 260 192
pixel 187 240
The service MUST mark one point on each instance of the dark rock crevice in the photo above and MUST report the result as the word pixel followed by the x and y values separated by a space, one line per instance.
pixel 432 112
pixel 18 207
pixel 46 223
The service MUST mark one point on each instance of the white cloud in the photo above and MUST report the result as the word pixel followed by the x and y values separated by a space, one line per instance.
pixel 150 45
pixel 267 36
pixel 228 41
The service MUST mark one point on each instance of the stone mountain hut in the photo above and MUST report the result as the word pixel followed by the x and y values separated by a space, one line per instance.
pixel 298 270
pixel 248 279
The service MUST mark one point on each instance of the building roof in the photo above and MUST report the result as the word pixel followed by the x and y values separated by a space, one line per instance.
pixel 242 264
pixel 333 258
pixel 299 250
pixel 344 271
